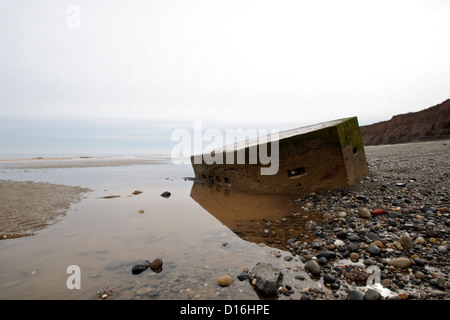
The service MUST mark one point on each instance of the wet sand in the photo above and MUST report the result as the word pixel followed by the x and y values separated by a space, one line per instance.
pixel 27 207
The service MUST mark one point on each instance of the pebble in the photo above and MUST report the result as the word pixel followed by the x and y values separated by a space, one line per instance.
pixel 372 294
pixel 419 240
pixel 378 212
pixel 312 267
pixel 143 290
pixel 156 265
pixel 354 256
pixel 166 194
pixel 225 280
pixel 328 278
pixel 406 242
pixel 442 249
pixel 400 263
pixel 373 250
pixel 355 295
pixel 364 213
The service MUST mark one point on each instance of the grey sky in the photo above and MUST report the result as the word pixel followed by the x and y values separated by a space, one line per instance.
pixel 136 70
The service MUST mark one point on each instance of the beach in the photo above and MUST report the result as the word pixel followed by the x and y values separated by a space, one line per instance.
pixel 86 211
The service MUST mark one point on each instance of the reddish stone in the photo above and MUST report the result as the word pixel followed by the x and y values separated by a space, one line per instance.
pixel 378 212
pixel 156 265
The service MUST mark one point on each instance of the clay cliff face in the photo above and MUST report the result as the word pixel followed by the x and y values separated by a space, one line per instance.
pixel 426 125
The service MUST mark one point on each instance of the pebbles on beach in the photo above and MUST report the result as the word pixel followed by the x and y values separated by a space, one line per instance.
pixel 396 220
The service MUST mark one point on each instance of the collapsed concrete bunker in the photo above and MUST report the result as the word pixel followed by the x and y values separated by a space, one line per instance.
pixel 324 156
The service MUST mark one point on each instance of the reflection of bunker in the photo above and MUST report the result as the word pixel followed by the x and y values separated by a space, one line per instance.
pixel 315 158
pixel 241 212
pixel 233 207
pixel 272 219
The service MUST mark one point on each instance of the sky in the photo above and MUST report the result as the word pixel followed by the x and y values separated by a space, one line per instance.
pixel 118 77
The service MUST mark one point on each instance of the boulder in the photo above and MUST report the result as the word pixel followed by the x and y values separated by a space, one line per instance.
pixel 266 278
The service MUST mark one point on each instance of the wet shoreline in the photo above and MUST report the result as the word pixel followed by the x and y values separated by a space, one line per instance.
pixel 326 244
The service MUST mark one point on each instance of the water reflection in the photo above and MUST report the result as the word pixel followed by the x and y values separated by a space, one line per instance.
pixel 271 219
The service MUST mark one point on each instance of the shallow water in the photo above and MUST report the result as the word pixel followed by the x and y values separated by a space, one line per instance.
pixel 190 231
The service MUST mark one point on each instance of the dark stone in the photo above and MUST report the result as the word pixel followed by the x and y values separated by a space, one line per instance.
pixel 322 260
pixel 373 250
pixel 266 278
pixel 328 278
pixel 420 262
pixel 140 268
pixel 327 254
pixel 372 295
pixel 243 276
pixel 165 194
pixel 315 245
pixel 355 295
pixel 341 234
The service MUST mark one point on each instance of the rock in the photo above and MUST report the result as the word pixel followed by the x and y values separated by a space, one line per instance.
pixel 442 249
pixel 373 250
pixel 406 242
pixel 243 276
pixel 372 294
pixel 378 212
pixel 352 247
pixel 266 278
pixel 419 240
pixel 322 261
pixel 143 290
pixel 137 269
pixel 328 278
pixel 431 233
pixel 400 263
pixel 342 234
pixel 357 275
pixel 354 238
pixel 355 295
pixel 339 243
pixel 327 254
pixel 369 262
pixel 165 194
pixel 136 192
pixel 312 267
pixel 315 245
pixel 427 207
pixel 364 213
pixel 156 265
pixel 141 211
pixel 377 243
pixel 225 280
pixel 275 253
pixel 420 275
pixel 420 262
pixel 354 257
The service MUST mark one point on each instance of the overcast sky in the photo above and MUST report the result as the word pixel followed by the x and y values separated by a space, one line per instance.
pixel 109 76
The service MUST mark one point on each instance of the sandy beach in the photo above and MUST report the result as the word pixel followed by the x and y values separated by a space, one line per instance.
pixel 27 207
